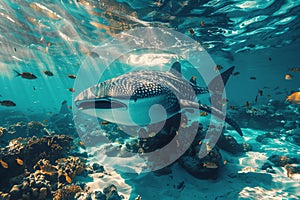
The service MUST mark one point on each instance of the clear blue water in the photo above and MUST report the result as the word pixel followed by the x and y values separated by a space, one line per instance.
pixel 260 38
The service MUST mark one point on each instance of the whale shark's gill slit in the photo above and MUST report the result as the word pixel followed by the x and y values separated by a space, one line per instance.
pixel 101 104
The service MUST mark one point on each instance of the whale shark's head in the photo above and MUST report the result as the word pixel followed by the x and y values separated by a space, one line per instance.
pixel 129 100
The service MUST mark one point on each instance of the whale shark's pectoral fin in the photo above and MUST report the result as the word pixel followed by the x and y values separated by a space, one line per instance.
pixel 213 111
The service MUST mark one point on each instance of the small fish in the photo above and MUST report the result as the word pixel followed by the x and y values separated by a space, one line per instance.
pixel 223 101
pixel 48 73
pixel 208 147
pixel 104 122
pixel 180 186
pixel 253 78
pixel 70 107
pixel 225 162
pixel 93 54
pixel 19 161
pixel 193 80
pixel 80 143
pixel 152 134
pixel 7 103
pixel 72 76
pixel 236 73
pixel 210 165
pixel 294 98
pixel 26 75
pixel 218 68
pixel 47 47
pixel 71 89
pixel 232 107
pixel 15 49
pixel 288 77
pixel 138 198
pixel 270 59
pixel 203 113
pixel 295 69
pixel 202 23
pixel 192 31
pixel 256 98
pixel 260 92
pixel 33 87
pixel 247 104
pixel 68 178
pixel 3 164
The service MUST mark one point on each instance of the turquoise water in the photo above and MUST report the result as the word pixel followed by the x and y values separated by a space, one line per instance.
pixel 259 38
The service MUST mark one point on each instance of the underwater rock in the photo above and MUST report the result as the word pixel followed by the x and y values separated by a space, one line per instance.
pixel 45 178
pixel 295 134
pixel 292 170
pixel 268 167
pixel 22 129
pixel 42 193
pixel 67 192
pixel 2 131
pixel 4 196
pixel 260 117
pixel 229 144
pixel 111 193
pixel 99 195
pixel 16 130
pixel 36 129
pixel 15 192
pixel 204 168
pixel 290 125
pixel 281 161
pixel 97 168
pixel 49 147
pixel 271 135
pixel 23 153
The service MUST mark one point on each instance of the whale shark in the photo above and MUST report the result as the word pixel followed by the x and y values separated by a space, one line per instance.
pixel 147 97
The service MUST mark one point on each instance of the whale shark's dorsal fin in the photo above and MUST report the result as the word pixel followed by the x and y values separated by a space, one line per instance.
pixel 176 68
pixel 216 85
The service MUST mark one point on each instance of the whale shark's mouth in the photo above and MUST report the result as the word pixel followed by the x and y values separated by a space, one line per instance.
pixel 99 104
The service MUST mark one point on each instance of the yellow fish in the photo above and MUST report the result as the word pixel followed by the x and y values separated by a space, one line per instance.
pixel 294 98
pixel 68 178
pixel 4 164
pixel 19 161
pixel 210 165
pixel 288 77
pixel 203 113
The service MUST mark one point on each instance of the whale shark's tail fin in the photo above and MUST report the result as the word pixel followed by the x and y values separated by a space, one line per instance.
pixel 219 114
pixel 211 110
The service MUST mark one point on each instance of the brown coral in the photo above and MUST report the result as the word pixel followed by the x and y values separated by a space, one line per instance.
pixel 67 192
